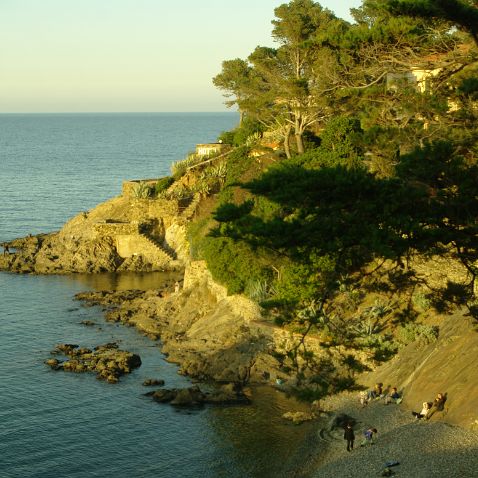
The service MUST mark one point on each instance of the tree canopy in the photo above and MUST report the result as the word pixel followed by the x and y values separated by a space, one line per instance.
pixel 392 98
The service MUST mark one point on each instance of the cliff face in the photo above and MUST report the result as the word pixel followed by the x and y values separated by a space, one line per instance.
pixel 449 365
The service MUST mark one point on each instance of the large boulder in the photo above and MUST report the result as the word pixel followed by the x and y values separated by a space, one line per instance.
pixel 188 397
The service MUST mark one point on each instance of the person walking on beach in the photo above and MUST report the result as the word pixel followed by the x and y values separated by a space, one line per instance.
pixel 176 287
pixel 349 436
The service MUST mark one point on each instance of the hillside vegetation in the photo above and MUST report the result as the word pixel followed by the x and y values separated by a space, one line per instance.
pixel 347 207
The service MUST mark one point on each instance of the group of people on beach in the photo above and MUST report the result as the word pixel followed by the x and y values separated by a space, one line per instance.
pixel 389 395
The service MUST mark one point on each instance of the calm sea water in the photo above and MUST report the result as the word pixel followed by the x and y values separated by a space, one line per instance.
pixel 55 424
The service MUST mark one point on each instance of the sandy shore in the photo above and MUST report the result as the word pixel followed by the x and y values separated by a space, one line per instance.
pixel 423 448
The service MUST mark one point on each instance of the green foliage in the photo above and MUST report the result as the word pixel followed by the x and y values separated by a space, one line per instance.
pixel 142 190
pixel 249 128
pixel 238 163
pixel 163 184
pixel 342 135
pixel 412 332
pixel 340 146
pixel 197 234
pixel 259 290
pixel 421 301
pixel 179 168
pixel 226 137
pixel 377 186
pixel 461 13
pixel 233 264
pixel 469 88
pixel 383 348
pixel 302 282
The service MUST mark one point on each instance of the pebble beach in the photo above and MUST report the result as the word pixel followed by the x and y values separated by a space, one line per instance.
pixel 431 448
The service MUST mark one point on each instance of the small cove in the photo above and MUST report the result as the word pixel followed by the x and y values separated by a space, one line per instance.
pixel 58 424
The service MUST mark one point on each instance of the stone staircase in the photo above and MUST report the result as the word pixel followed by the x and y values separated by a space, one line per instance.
pixel 189 211
pixel 160 248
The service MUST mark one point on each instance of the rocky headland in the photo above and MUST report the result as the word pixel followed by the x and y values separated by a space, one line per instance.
pixel 227 339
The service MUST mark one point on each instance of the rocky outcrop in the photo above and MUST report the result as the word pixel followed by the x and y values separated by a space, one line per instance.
pixel 111 237
pixel 107 361
pixel 202 329
pixel 193 396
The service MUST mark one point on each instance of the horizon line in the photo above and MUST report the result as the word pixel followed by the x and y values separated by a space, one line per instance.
pixel 106 112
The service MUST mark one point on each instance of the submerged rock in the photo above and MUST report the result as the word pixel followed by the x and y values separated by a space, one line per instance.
pixel 54 363
pixel 194 396
pixel 153 381
pixel 299 417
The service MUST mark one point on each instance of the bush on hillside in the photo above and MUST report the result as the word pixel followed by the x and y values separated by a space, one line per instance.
pixel 163 184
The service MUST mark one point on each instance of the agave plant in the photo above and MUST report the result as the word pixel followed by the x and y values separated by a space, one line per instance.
pixel 219 171
pixel 202 187
pixel 179 168
pixel 142 190
pixel 253 139
pixel 260 290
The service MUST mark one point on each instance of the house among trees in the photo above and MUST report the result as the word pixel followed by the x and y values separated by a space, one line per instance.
pixel 209 149
pixel 418 77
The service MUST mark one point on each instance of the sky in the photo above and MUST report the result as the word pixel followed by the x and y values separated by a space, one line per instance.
pixel 127 55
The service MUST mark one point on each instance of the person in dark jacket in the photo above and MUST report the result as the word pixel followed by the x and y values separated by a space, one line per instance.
pixel 438 405
pixel 349 436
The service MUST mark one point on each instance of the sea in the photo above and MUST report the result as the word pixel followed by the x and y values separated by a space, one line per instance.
pixel 62 425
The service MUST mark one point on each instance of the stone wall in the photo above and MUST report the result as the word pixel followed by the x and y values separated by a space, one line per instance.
pixel 134 245
pixel 128 187
pixel 112 229
pixel 210 148
pixel 197 272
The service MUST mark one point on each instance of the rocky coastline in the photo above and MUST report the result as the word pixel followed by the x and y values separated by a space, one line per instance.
pixel 223 339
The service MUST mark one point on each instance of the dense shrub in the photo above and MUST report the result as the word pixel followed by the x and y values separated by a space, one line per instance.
pixel 227 137
pixel 163 184
pixel 233 264
pixel 417 332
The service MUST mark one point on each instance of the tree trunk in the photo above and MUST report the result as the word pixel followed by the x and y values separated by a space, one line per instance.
pixel 298 132
pixel 286 142
pixel 300 143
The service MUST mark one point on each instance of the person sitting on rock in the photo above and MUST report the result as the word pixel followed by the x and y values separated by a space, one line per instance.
pixel 438 405
pixel 425 410
pixel 393 396
pixel 363 397
pixel 377 391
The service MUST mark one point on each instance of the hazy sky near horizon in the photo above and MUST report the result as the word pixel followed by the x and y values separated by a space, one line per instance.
pixel 127 55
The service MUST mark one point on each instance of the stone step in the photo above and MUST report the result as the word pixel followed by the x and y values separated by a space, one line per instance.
pixel 191 208
pixel 171 255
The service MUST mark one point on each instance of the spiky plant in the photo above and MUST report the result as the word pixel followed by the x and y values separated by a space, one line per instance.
pixel 142 190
